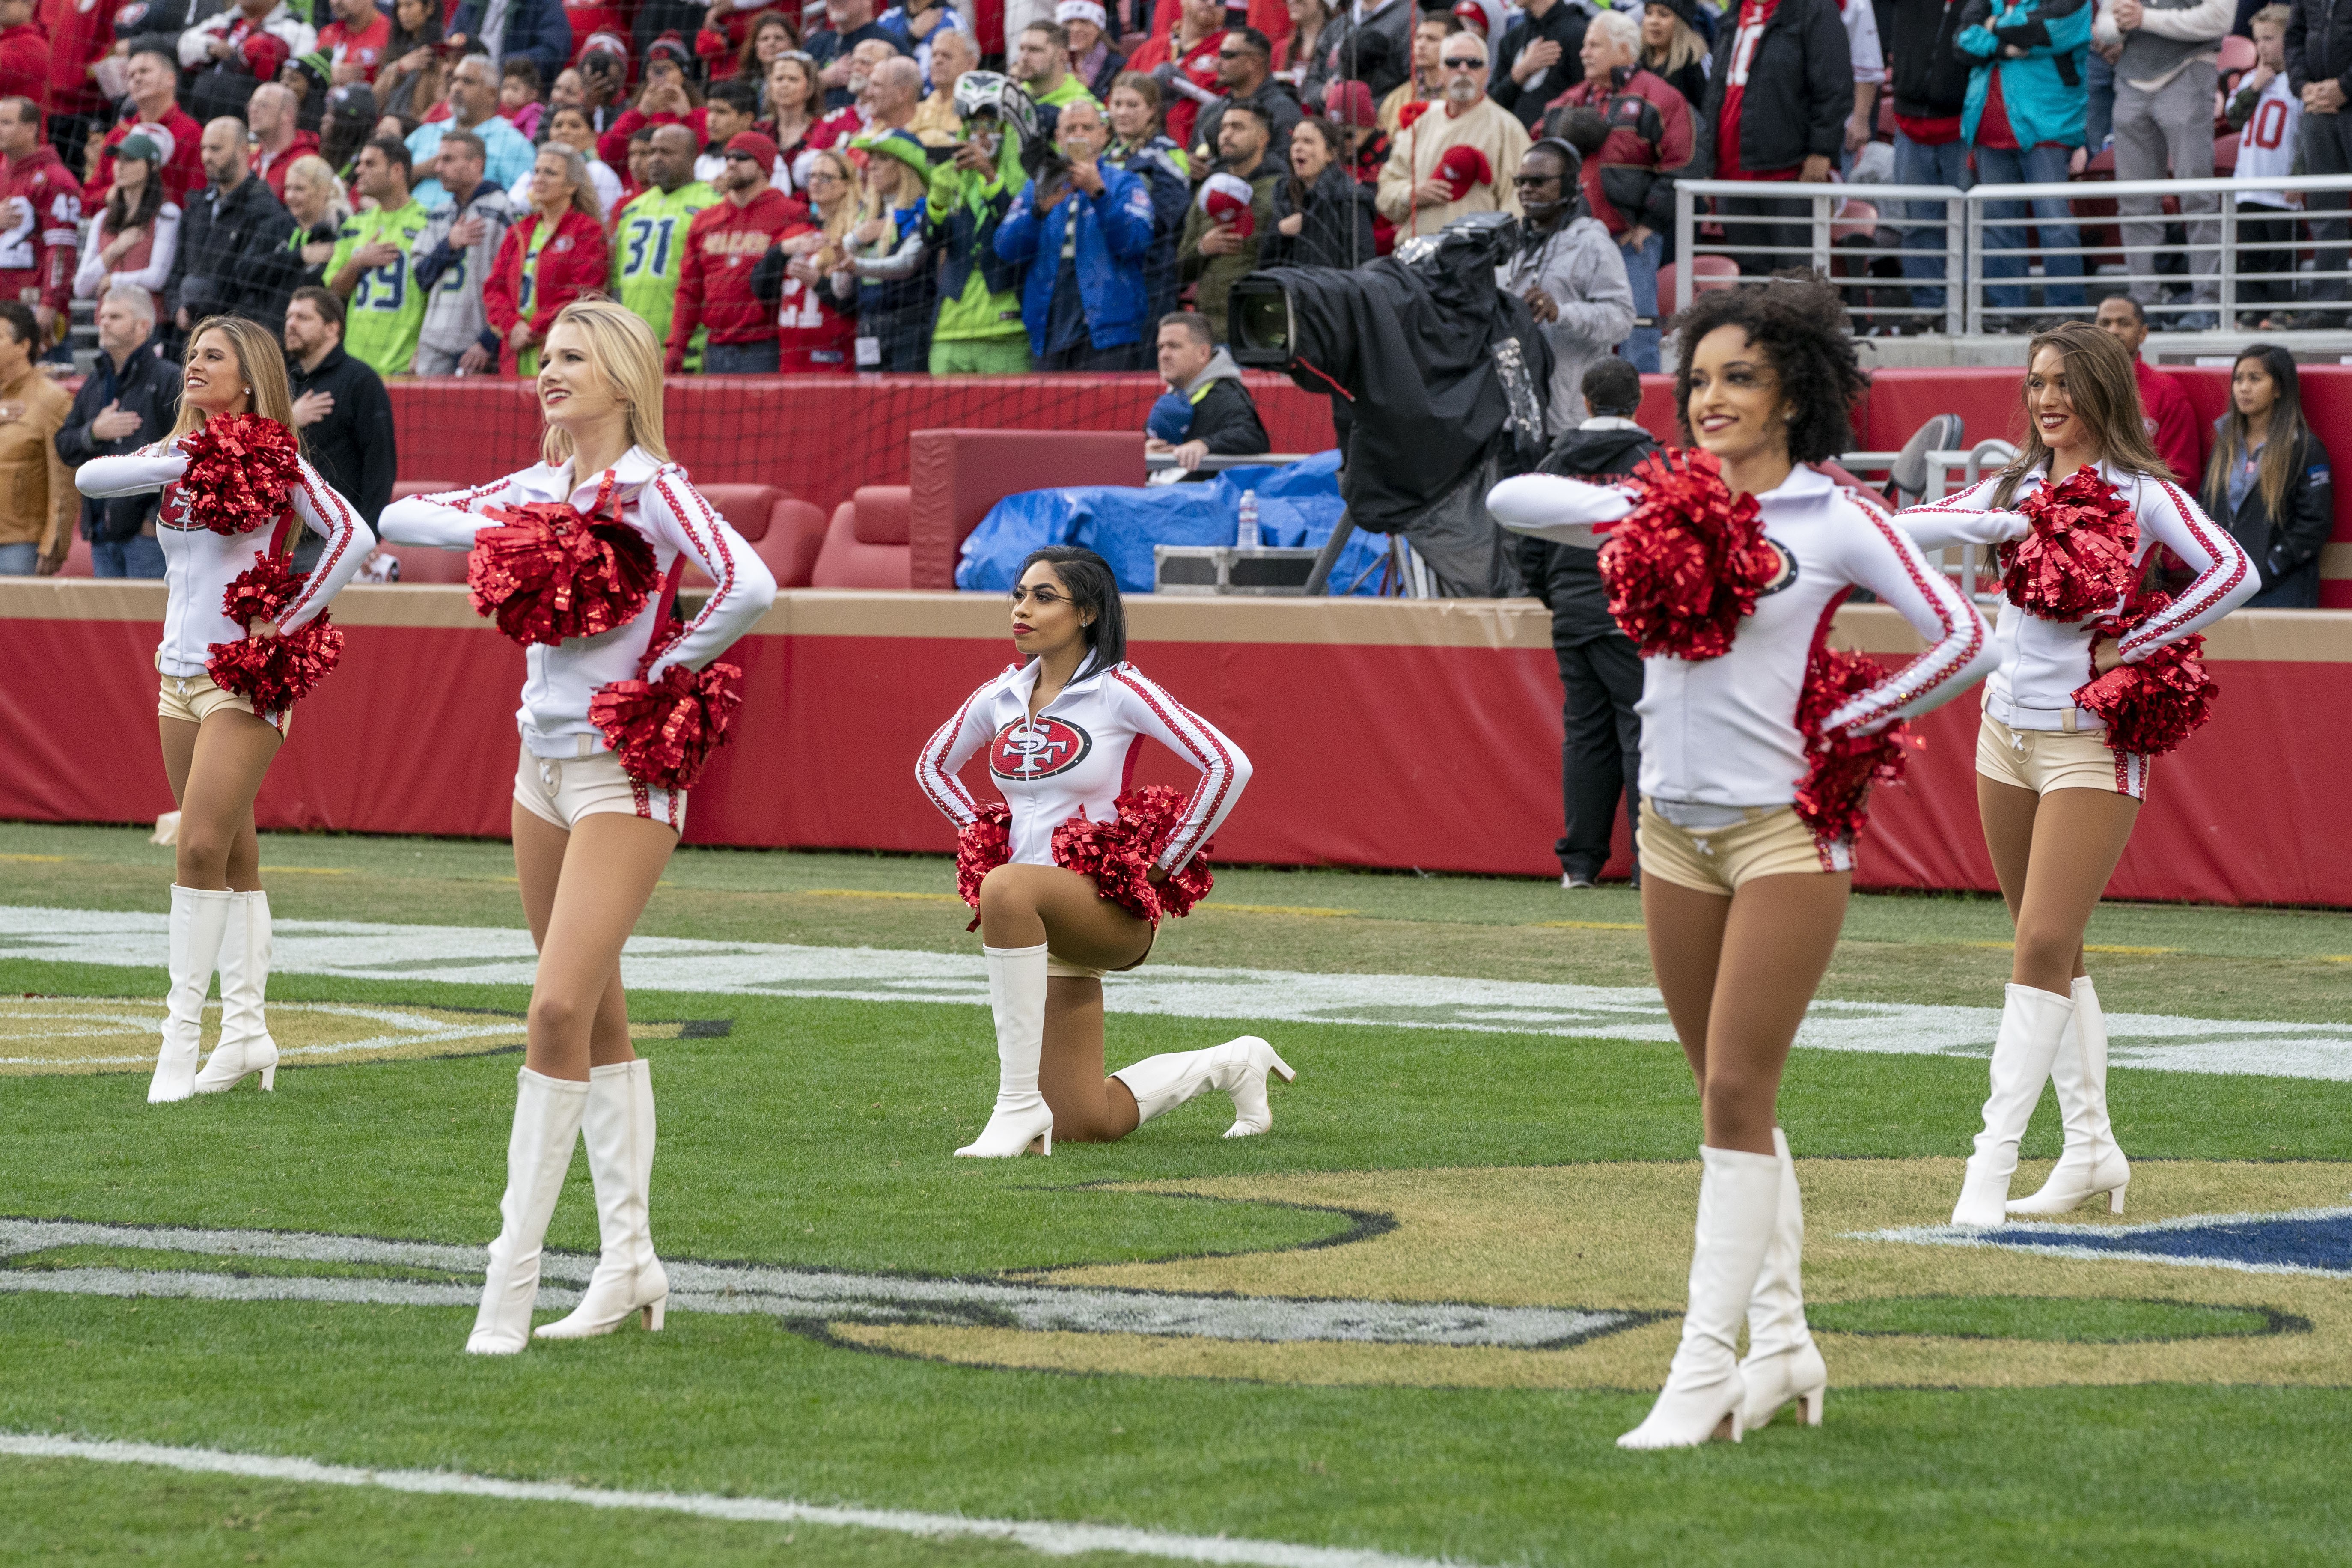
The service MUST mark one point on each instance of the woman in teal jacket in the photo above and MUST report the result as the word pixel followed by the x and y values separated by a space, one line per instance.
pixel 2024 119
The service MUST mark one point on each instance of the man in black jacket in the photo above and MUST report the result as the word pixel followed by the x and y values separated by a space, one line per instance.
pixel 1779 91
pixel 1541 58
pixel 343 411
pixel 232 259
pixel 130 397
pixel 2319 70
pixel 1219 415
pixel 1601 751
pixel 1931 89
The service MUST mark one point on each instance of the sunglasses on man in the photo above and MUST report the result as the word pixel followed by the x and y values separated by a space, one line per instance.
pixel 1464 63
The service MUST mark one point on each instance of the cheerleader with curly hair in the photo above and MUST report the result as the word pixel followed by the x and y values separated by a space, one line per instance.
pixel 578 558
pixel 1071 875
pixel 244 638
pixel 1725 565
pixel 2096 675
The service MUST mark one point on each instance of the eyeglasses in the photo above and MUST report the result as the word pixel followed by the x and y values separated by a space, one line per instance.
pixel 1466 63
pixel 741 158
pixel 1528 181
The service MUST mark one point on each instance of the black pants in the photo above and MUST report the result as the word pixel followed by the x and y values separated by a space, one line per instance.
pixel 1087 357
pixel 1794 233
pixel 2327 150
pixel 2265 246
pixel 1600 754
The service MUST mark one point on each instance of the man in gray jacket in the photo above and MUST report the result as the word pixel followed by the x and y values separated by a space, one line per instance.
pixel 1569 273
pixel 2166 55
pixel 452 259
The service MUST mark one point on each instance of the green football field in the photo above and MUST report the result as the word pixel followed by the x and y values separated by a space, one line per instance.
pixel 1405 1326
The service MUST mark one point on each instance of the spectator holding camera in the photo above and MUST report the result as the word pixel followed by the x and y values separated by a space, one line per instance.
pixel 1569 271
pixel 664 99
pixel 979 330
pixel 130 397
pixel 1083 231
pixel 1233 214
pixel 1322 216
pixel 1457 158
pixel 1629 183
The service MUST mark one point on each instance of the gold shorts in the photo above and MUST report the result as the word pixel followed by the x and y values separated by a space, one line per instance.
pixel 1771 842
pixel 192 697
pixel 1059 968
pixel 2044 760
pixel 562 790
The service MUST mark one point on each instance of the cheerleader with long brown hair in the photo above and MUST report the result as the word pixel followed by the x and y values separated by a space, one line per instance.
pixel 244 638
pixel 2098 675
pixel 578 558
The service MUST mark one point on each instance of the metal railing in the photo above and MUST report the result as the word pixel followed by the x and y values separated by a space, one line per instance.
pixel 2230 278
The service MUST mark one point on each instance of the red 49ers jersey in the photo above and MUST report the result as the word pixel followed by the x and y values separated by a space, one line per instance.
pixel 40 211
pixel 1076 756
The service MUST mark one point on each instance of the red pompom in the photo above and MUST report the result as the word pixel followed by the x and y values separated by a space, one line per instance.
pixel 547 571
pixel 664 730
pixel 240 467
pixel 1120 855
pixel 273 673
pixel 1833 801
pixel 2077 562
pixel 1688 562
pixel 2152 706
pixel 983 843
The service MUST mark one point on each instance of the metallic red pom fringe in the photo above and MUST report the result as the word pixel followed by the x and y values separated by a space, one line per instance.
pixel 240 467
pixel 1688 562
pixel 2152 706
pixel 664 730
pixel 2077 562
pixel 983 843
pixel 547 571
pixel 1833 801
pixel 1120 853
pixel 272 673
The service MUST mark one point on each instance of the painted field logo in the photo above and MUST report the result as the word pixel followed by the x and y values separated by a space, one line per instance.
pixel 43 1036
pixel 1037 749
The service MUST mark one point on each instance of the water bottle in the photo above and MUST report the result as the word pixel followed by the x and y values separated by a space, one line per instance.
pixel 1246 534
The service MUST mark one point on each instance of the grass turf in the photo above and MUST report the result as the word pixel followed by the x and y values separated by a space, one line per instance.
pixel 814 1133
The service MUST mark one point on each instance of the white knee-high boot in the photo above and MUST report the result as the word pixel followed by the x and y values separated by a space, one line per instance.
pixel 2031 1024
pixel 1739 1197
pixel 199 918
pixel 1783 1364
pixel 619 1125
pixel 2093 1163
pixel 1164 1082
pixel 539 1151
pixel 1016 994
pixel 244 1043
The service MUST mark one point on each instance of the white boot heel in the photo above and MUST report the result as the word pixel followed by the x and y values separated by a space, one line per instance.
pixel 1706 1397
pixel 1239 1067
pixel 2093 1164
pixel 2033 1024
pixel 1016 995
pixel 200 920
pixel 1784 1365
pixel 244 1046
pixel 539 1151
pixel 619 1125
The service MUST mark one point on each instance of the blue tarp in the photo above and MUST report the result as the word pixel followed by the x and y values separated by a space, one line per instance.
pixel 1297 507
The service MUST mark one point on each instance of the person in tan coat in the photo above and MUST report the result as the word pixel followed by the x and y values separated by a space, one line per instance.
pixel 38 504
pixel 1456 157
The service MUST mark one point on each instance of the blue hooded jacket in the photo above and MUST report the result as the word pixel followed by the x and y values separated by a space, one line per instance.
pixel 1114 234
pixel 2043 91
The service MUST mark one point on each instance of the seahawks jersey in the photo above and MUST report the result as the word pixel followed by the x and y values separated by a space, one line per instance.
pixel 386 308
pixel 649 249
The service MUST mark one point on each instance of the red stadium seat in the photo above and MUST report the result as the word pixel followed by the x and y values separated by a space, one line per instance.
pixel 2237 54
pixel 884 513
pixel 795 539
pixel 1707 272
pixel 422 564
pixel 847 563
pixel 746 507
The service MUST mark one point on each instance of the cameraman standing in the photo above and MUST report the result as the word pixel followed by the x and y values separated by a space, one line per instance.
pixel 1601 744
pixel 1569 272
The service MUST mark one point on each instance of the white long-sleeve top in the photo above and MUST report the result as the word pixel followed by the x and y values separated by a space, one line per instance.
pixel 1077 756
pixel 1723 731
pixel 199 564
pixel 655 499
pixel 2043 662
pixel 91 276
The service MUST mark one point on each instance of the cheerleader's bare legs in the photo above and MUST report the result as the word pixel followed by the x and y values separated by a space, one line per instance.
pixel 215 771
pixel 2053 855
pixel 583 892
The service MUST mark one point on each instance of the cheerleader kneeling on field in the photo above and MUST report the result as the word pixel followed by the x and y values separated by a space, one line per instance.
pixel 243 639
pixel 578 558
pixel 1071 875
pixel 2097 676
pixel 1758 743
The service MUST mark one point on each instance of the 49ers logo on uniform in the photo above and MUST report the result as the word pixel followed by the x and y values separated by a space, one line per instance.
pixel 1037 749
pixel 1784 570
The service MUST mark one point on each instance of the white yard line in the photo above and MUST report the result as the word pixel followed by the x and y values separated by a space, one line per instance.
pixel 492 955
pixel 1051 1537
